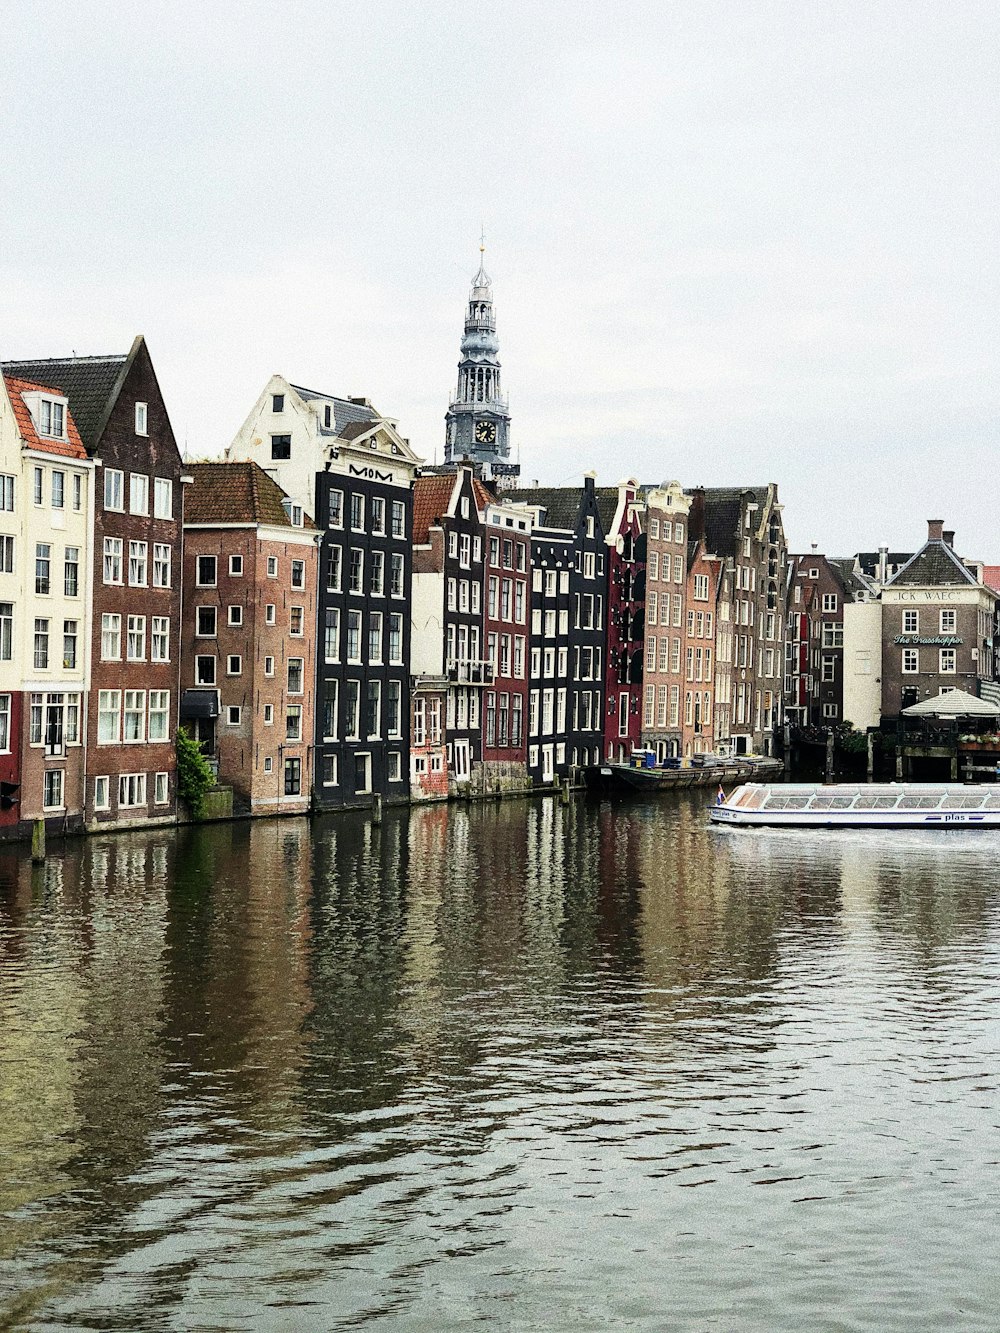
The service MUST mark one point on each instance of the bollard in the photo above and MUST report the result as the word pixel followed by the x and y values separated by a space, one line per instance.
pixel 564 792
pixel 377 808
pixel 38 841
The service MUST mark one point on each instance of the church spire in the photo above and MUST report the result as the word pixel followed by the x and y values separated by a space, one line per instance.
pixel 477 424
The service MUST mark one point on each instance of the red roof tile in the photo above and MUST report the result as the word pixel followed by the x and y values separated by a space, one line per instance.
pixel 430 502
pixel 71 447
pixel 991 577
pixel 236 493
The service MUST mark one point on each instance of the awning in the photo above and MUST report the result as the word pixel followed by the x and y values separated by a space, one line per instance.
pixel 199 703
pixel 953 703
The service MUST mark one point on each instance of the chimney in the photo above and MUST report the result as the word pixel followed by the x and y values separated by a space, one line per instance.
pixel 949 538
pixel 883 564
pixel 935 528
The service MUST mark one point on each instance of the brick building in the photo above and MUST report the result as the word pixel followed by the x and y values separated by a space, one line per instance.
pixel 132 705
pixel 621 510
pixel 666 521
pixel 505 624
pixel 248 642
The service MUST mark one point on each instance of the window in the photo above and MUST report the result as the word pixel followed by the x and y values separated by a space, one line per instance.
pixel 701 587
pixel 396 638
pixel 41 645
pixel 160 640
pixel 5 723
pixel 268 763
pixel 293 722
pixel 357 575
pixel 58 490
pixel 43 565
pixel 141 417
pixel 131 789
pixel 296 675
pixel 395 766
pixel 833 636
pixel 6 492
pixel 52 789
pixel 135 644
pixel 949 622
pixel 394 709
pixel 204 670
pixel 236 616
pixel 277 402
pixel 357 513
pixel 233 715
pixel 398 518
pixel 354 636
pixel 235 566
pixel 102 795
pixel 374 709
pixel 911 622
pixel 376 581
pixel 137 564
pixel 52 419
pixel 6 555
pixel 161 789
pixel 296 621
pixel 112 560
pixel 135 715
pixel 293 777
pixel 272 566
pixel 38 485
pixel 352 709
pixel 234 665
pixel 111 637
pixel 298 573
pixel 281 447
pixel 335 509
pixel 396 577
pixel 138 493
pixel 161 565
pixel 163 497
pixel 269 614
pixel 829 669
pixel 206 576
pixel 77 492
pixel 947 661
pixel 330 690
pixel 911 659
pixel 114 489
pixel 109 704
pixel 71 571
pixel 6 631
pixel 830 601
pixel 268 666
pixel 331 635
pixel 159 714
pixel 205 622
pixel 375 637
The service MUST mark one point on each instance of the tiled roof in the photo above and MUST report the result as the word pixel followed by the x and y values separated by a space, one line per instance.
pixel 344 412
pixel 991 577
pixel 560 504
pixel 430 502
pixel 607 503
pixel 353 430
pixel 723 508
pixel 236 493
pixel 71 447
pixel 868 561
pixel 89 382
pixel 934 565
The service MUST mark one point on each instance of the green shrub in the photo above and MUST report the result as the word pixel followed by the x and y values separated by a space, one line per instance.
pixel 194 776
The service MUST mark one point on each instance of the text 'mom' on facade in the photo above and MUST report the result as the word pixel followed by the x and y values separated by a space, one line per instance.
pixel 348 467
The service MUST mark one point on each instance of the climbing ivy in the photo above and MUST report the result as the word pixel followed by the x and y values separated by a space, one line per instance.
pixel 194 777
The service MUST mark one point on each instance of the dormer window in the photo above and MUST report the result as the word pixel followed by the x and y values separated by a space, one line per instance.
pixel 327 417
pixel 52 418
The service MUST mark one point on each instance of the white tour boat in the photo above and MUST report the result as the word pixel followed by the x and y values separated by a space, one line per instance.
pixel 885 805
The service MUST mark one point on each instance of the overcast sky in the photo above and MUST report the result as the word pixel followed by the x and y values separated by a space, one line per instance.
pixel 730 242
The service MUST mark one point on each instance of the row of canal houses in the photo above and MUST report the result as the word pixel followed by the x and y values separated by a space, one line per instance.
pixel 334 621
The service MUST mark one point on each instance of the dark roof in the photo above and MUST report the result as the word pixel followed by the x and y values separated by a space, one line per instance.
pixel 723 509
pixel 934 565
pixel 607 503
pixel 89 382
pixel 868 561
pixel 561 504
pixel 344 411
pixel 843 566
pixel 236 493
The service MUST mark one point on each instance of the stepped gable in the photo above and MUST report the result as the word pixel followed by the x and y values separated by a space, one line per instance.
pixel 236 493
pixel 560 504
pixel 71 447
pixel 90 383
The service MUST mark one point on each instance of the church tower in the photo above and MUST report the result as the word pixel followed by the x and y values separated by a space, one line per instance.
pixel 477 424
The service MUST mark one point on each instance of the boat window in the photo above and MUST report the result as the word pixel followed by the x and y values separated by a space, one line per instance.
pixel 865 803
pixel 797 802
pixel 913 801
pixel 886 802
pixel 822 803
pixel 841 802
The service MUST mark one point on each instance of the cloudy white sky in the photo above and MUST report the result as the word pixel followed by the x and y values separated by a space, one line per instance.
pixel 730 242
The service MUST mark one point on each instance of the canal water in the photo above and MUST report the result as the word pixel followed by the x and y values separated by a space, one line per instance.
pixel 513 1067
